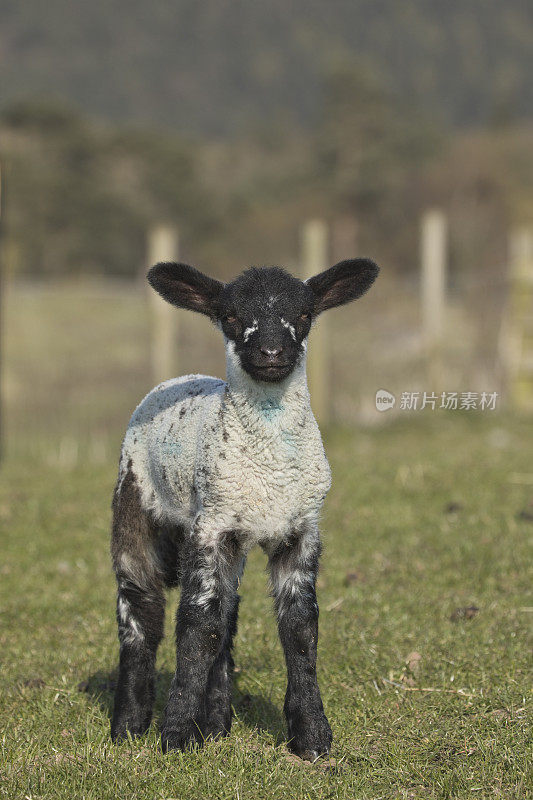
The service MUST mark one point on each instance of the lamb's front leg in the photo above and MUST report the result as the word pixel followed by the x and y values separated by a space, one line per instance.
pixel 218 712
pixel 207 609
pixel 294 567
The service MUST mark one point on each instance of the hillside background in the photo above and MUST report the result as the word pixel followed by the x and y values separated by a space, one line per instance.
pixel 217 66
pixel 236 121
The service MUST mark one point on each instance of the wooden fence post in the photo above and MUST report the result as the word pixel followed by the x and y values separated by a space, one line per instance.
pixel 518 322
pixel 314 260
pixel 433 263
pixel 433 257
pixel 164 318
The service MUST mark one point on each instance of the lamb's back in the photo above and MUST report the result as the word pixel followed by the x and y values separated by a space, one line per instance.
pixel 161 442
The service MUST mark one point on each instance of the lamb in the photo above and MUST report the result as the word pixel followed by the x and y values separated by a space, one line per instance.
pixel 208 469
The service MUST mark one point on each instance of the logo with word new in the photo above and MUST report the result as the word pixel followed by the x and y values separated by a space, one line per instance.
pixel 384 400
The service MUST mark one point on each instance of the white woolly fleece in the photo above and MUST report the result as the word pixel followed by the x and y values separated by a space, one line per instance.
pixel 240 455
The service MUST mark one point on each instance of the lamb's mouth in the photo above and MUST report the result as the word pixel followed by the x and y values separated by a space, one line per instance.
pixel 270 372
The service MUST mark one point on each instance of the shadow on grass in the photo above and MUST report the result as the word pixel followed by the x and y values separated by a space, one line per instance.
pixel 255 711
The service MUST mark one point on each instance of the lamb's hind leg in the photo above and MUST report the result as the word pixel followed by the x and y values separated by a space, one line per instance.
pixel 200 694
pixel 140 610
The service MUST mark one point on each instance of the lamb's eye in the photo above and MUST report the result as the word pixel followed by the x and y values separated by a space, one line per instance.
pixel 304 317
pixel 231 320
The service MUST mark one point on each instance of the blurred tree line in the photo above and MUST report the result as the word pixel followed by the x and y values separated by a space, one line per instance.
pixel 81 194
pixel 215 66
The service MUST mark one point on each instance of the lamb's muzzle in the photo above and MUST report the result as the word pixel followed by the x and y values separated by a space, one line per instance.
pixel 207 470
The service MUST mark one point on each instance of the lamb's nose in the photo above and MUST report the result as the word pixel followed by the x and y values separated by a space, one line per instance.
pixel 271 352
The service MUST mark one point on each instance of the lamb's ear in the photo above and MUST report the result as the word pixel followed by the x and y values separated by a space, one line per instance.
pixel 344 282
pixel 186 287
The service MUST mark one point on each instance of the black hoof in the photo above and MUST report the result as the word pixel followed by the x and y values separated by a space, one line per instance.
pixel 184 737
pixel 312 738
pixel 120 731
pixel 217 726
pixel 306 754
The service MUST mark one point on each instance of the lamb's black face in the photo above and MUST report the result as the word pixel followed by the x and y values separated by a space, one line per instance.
pixel 266 313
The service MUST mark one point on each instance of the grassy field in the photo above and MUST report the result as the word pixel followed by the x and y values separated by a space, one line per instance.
pixel 426 699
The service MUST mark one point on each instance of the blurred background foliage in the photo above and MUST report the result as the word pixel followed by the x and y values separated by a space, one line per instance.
pixel 238 120
pixel 216 66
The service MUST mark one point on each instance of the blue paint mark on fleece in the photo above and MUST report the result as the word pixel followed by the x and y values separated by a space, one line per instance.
pixel 270 408
pixel 290 440
pixel 171 448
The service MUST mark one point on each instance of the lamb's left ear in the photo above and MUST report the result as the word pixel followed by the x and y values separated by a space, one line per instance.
pixel 186 287
pixel 344 282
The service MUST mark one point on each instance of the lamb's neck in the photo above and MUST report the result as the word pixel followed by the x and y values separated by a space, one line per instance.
pixel 285 401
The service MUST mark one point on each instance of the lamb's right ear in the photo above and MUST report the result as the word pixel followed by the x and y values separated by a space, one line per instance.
pixel 344 282
pixel 186 287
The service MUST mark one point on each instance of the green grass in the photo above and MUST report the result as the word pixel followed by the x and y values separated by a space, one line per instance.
pixel 396 566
